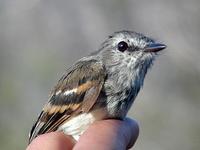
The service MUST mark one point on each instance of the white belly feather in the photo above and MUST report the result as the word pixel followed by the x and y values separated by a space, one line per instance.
pixel 77 125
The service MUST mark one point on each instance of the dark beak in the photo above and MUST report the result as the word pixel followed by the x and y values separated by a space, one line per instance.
pixel 154 47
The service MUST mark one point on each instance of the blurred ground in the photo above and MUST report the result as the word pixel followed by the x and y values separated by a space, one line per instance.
pixel 39 39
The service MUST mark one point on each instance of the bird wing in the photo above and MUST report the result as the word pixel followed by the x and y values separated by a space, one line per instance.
pixel 75 93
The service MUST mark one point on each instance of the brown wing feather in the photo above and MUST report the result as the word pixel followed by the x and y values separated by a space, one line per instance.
pixel 87 78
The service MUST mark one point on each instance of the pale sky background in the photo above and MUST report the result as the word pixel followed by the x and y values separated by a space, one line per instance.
pixel 40 39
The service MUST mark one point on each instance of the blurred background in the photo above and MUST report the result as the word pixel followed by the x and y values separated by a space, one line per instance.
pixel 40 39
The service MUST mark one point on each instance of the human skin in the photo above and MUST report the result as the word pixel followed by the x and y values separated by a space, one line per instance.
pixel 106 135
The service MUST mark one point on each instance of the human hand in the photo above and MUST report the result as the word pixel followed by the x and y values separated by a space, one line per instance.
pixel 101 135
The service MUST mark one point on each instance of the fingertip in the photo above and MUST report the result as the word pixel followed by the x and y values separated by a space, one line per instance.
pixel 53 140
pixel 109 134
pixel 132 131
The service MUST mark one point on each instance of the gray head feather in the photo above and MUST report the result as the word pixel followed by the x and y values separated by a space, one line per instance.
pixel 126 70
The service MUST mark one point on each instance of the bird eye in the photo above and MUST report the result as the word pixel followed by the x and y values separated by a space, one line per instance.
pixel 122 46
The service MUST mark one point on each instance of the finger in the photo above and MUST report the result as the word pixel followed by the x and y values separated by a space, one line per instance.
pixel 131 132
pixel 109 134
pixel 53 140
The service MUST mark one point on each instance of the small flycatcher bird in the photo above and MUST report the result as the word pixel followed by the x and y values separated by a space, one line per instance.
pixel 100 86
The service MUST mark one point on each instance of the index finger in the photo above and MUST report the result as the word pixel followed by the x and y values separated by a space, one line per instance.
pixel 109 134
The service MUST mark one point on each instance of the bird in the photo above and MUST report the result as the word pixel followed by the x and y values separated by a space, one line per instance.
pixel 102 85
